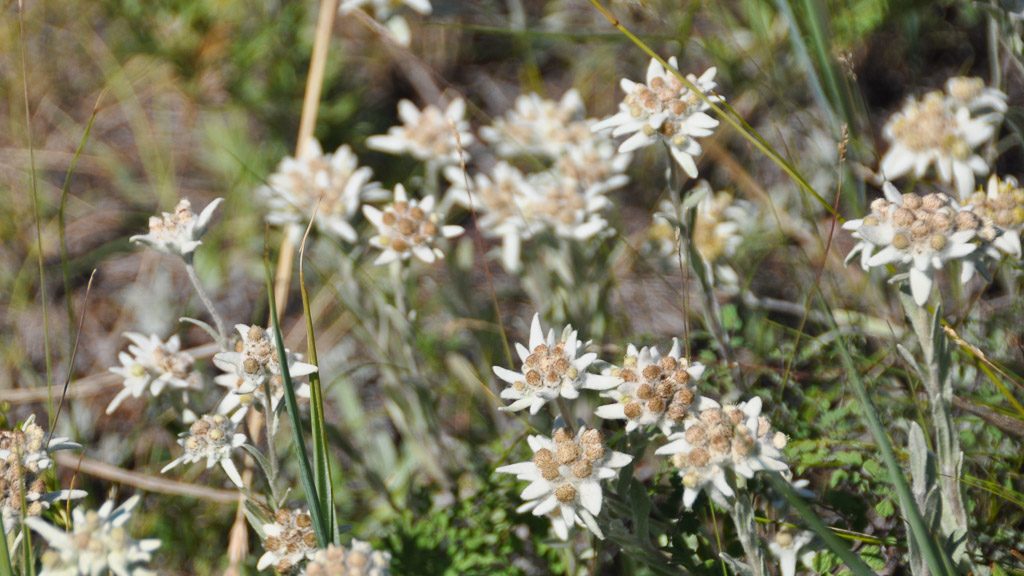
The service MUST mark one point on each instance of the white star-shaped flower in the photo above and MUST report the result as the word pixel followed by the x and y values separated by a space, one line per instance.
pixel 407 228
pixel 565 477
pixel 211 438
pixel 552 367
pixel 178 232
pixel 150 364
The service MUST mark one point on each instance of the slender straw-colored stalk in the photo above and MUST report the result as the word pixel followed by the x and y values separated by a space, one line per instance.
pixel 307 123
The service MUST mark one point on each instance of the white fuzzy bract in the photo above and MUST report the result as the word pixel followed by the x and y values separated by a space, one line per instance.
pixel 178 232
pixel 565 477
pixel 256 360
pixel 921 233
pixel 98 544
pixel 357 559
pixel 537 126
pixel 407 228
pixel 332 184
pixel 24 455
pixel 289 540
pixel 430 135
pixel 664 109
pixel 552 367
pixel 152 364
pixel 240 396
pixel 942 129
pixel 655 390
pixel 211 438
pixel 718 441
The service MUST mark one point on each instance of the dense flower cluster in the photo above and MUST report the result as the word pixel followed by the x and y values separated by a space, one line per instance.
pixel 430 134
pixel 358 559
pixel 921 233
pixel 566 196
pixel 211 438
pixel 178 232
pixel 718 440
pixel 655 390
pixel 664 109
pixel 334 185
pixel 98 544
pixel 289 540
pixel 151 364
pixel 944 129
pixel 565 478
pixel 407 228
pixel 24 456
pixel 256 362
pixel 552 367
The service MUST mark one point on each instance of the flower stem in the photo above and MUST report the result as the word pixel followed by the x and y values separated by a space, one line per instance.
pixel 742 514
pixel 566 411
pixel 948 456
pixel 207 302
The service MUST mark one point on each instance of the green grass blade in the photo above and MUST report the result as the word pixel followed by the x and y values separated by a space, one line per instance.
pixel 317 417
pixel 305 469
pixel 5 555
pixel 65 190
pixel 834 543
pixel 938 562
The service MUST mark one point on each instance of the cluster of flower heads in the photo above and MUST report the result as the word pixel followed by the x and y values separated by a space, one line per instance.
pixel 709 443
pixel 288 541
pixel 407 228
pixel 429 135
pixel 96 545
pixel 944 129
pixel 178 232
pixel 720 223
pixel 358 559
pixel 150 364
pixel 565 192
pixel 334 185
pixel 666 109
pixel 24 456
pixel 923 234
pixel 211 438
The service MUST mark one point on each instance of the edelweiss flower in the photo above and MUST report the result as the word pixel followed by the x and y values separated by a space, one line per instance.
pixel 538 126
pixel 359 559
pixel 151 364
pixel 936 130
pixel 334 182
pixel 718 440
pixel 289 541
pixel 551 368
pixel 98 544
pixel 786 548
pixel 664 109
pixel 655 390
pixel 973 94
pixel 386 12
pixel 178 232
pixel 256 360
pixel 718 231
pixel 565 478
pixel 408 227
pixel 922 233
pixel 24 455
pixel 427 134
pixel 240 396
pixel 211 438
pixel 497 201
pixel 1003 206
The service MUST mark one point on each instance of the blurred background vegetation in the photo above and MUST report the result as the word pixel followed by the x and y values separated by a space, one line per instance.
pixel 201 98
